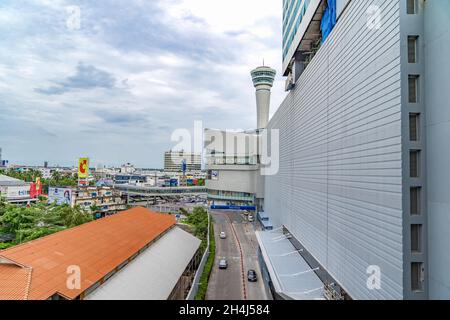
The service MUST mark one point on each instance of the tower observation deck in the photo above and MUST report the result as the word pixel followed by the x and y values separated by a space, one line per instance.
pixel 263 78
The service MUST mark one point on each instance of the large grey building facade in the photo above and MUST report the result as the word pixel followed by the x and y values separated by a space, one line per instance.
pixel 365 146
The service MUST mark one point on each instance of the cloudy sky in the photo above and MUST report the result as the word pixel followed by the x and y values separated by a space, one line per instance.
pixel 116 84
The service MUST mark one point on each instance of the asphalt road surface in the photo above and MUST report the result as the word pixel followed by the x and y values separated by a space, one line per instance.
pixel 232 284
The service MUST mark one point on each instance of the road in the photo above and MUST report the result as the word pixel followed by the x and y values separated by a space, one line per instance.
pixel 232 284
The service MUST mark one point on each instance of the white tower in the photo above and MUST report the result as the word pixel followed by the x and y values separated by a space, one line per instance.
pixel 263 78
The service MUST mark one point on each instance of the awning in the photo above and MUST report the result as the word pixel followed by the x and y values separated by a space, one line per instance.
pixel 154 273
pixel 291 275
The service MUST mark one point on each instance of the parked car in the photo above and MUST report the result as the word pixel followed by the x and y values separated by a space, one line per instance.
pixel 250 218
pixel 223 235
pixel 223 264
pixel 251 276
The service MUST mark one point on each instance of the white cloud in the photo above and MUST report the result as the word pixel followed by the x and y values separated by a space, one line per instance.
pixel 173 61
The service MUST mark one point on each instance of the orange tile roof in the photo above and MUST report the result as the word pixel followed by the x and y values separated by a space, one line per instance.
pixel 14 282
pixel 97 248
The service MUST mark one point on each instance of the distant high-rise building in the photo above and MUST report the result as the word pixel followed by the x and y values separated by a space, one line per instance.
pixel 127 168
pixel 304 30
pixel 173 161
pixel 3 163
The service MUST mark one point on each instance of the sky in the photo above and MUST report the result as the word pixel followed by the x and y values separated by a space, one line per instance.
pixel 113 80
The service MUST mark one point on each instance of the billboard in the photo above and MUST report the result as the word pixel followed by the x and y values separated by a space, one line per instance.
pixel 83 168
pixel 36 188
pixel 60 196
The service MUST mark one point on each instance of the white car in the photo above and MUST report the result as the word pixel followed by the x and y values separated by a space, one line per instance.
pixel 223 235
pixel 250 218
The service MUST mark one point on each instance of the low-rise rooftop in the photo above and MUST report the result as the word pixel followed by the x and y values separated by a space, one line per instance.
pixel 39 269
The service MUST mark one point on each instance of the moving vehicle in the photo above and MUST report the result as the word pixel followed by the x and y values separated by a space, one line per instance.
pixel 223 264
pixel 250 218
pixel 223 235
pixel 251 276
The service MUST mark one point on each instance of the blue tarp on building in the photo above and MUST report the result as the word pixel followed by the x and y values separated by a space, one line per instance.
pixel 328 20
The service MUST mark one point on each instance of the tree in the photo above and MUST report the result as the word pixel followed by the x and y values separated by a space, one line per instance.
pixel 199 219
pixel 3 205
pixel 41 219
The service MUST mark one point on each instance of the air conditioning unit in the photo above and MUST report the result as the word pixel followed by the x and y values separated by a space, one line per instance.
pixel 290 82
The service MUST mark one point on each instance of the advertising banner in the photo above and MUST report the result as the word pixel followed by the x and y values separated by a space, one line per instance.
pixel 60 196
pixel 36 189
pixel 83 168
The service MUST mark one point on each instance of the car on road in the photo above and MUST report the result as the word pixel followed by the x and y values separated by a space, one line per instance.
pixel 251 276
pixel 250 218
pixel 223 264
pixel 223 235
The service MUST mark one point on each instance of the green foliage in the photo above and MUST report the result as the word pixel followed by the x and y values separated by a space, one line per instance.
pixel 204 279
pixel 38 220
pixel 199 219
pixel 27 176
pixel 57 179
pixel 94 208
pixel 3 206
pixel 4 246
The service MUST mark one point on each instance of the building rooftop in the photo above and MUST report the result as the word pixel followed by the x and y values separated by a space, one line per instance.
pixel 6 181
pixel 153 274
pixel 97 248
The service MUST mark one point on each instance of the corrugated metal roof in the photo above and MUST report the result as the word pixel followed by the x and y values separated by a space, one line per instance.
pixel 154 273
pixel 6 181
pixel 97 248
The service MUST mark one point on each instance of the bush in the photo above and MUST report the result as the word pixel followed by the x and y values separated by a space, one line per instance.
pixel 199 219
pixel 4 246
pixel 204 279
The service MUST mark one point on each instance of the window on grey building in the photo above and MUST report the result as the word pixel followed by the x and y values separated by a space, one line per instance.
pixel 414 126
pixel 415 201
pixel 416 238
pixel 411 6
pixel 414 163
pixel 412 49
pixel 417 276
pixel 413 82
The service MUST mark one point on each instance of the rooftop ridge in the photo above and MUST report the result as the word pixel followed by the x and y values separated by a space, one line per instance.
pixel 74 228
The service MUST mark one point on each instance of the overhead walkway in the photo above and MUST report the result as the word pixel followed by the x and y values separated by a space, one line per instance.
pixel 160 191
